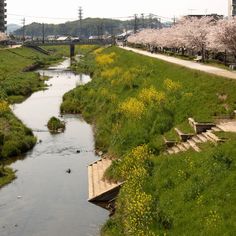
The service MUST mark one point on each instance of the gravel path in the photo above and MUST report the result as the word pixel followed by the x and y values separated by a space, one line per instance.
pixel 188 64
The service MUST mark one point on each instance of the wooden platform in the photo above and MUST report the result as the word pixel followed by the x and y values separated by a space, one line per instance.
pixel 102 192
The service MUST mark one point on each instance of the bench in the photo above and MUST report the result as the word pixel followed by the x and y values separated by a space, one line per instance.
pixel 198 59
pixel 232 66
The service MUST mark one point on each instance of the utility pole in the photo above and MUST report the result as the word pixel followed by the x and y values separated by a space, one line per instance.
pixel 135 23
pixel 150 20
pixel 23 29
pixel 43 33
pixel 142 16
pixel 80 21
pixel 174 20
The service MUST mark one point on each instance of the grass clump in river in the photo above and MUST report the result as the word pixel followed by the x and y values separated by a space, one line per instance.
pixel 56 125
pixel 134 100
pixel 6 176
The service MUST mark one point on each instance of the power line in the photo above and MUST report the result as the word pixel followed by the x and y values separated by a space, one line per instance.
pixel 41 17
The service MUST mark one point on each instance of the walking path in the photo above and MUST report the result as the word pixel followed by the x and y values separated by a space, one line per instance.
pixel 11 47
pixel 188 64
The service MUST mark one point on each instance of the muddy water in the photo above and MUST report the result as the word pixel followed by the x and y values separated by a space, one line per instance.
pixel 44 200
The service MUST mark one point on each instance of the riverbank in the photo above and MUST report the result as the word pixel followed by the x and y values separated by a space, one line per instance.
pixel 17 82
pixel 134 100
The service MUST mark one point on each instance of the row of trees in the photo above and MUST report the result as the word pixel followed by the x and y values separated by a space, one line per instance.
pixel 196 34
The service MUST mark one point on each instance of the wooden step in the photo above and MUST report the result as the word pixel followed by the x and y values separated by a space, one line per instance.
pixel 194 146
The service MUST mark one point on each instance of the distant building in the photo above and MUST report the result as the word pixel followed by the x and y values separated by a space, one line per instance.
pixel 3 16
pixel 232 8
pixel 214 16
pixel 64 38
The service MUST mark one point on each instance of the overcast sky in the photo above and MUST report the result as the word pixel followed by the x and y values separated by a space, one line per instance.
pixel 67 10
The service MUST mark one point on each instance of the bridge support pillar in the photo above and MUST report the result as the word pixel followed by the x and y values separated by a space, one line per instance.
pixel 72 50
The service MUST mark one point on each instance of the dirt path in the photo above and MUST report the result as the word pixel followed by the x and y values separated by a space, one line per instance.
pixel 188 64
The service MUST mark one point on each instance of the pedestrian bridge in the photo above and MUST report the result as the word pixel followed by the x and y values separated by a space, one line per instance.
pixel 68 42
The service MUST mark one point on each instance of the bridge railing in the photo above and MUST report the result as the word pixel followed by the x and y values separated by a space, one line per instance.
pixel 69 42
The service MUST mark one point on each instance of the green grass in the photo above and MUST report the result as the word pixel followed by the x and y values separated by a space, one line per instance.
pixel 134 100
pixel 6 176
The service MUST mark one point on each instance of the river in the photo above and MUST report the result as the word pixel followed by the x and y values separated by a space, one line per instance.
pixel 44 200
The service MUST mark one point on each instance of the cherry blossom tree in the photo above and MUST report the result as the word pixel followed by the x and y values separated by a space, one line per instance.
pixel 3 37
pixel 195 34
pixel 223 36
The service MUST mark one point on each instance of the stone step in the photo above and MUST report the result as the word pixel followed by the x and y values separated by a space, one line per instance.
pixel 202 138
pixel 194 146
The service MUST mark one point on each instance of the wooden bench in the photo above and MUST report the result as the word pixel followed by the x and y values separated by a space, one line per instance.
pixel 198 59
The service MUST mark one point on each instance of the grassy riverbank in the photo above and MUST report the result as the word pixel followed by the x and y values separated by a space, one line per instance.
pixel 135 100
pixel 17 82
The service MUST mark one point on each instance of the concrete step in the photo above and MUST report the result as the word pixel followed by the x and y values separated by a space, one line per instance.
pixel 193 145
pixel 181 147
pixel 208 137
pixel 90 183
pixel 213 136
pixel 176 149
pixel 186 145
pixel 216 129
pixel 196 139
pixel 96 185
pixel 202 138
pixel 100 171
pixel 219 128
pixel 170 151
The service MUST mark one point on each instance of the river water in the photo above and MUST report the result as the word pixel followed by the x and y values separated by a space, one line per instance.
pixel 44 200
